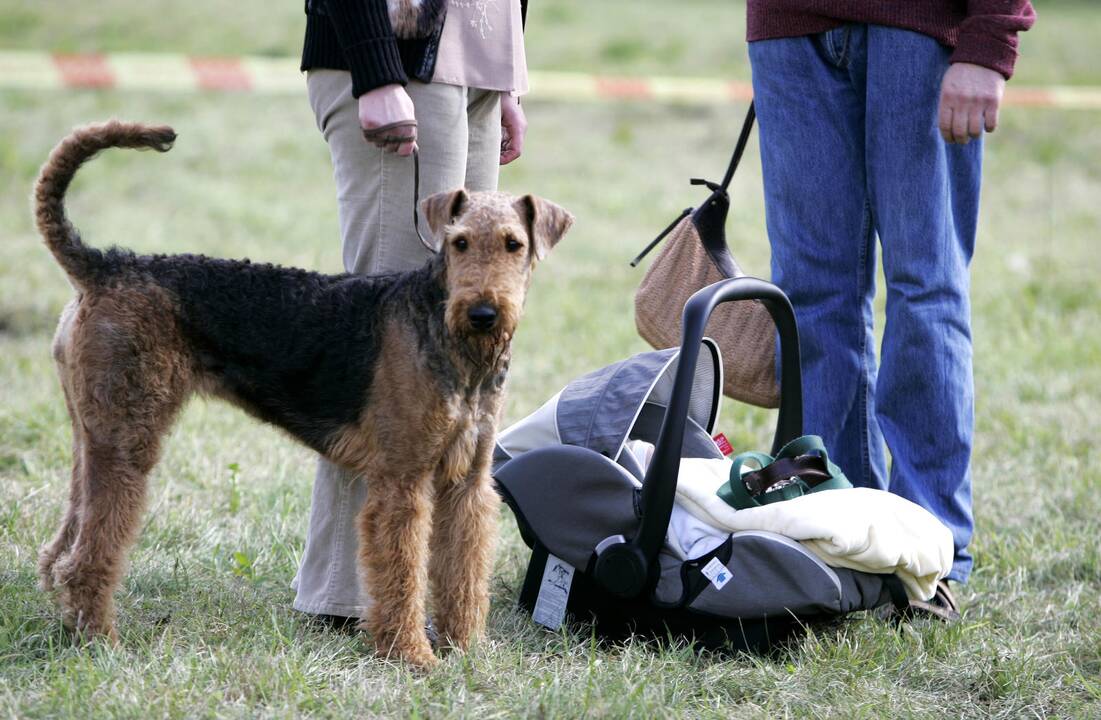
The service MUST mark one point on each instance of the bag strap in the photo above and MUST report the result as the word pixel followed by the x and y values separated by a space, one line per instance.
pixel 736 158
pixel 710 217
pixel 715 240
pixel 743 140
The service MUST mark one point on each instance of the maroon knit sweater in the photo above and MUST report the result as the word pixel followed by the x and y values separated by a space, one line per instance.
pixel 983 32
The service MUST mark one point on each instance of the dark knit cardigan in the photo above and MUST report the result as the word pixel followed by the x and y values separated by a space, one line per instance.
pixel 356 35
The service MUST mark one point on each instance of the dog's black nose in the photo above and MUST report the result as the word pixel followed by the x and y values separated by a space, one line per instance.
pixel 482 316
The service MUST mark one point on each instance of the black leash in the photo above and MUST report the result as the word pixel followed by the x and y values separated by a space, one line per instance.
pixel 417 200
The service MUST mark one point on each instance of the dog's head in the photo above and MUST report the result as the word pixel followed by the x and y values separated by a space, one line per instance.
pixel 490 243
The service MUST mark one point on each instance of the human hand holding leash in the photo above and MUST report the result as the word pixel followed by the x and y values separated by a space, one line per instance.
pixel 969 100
pixel 388 119
pixel 513 127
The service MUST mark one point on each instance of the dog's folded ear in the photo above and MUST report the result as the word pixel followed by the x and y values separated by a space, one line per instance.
pixel 546 222
pixel 440 209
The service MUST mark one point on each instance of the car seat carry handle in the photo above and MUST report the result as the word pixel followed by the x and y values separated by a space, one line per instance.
pixel 660 485
pixel 624 569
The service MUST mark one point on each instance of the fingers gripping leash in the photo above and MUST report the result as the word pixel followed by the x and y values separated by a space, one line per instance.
pixel 392 135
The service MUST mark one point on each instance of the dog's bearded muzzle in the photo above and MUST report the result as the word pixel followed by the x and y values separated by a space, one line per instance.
pixel 484 325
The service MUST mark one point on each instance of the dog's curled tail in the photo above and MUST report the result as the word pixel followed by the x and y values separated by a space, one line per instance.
pixel 77 259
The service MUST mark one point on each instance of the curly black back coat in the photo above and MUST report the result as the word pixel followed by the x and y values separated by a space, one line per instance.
pixel 294 348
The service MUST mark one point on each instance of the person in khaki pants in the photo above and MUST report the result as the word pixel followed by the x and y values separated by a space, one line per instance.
pixel 441 76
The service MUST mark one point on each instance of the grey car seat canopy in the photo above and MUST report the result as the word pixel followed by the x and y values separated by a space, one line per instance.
pixel 604 409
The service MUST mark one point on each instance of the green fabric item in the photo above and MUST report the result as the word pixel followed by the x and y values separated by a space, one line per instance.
pixel 805 449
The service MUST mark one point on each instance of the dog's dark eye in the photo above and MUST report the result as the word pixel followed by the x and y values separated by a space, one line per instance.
pixel 460 243
pixel 512 244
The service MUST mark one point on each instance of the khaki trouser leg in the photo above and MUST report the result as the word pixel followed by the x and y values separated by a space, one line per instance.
pixel 459 135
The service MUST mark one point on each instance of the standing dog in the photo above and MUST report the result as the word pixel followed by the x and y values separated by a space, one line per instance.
pixel 395 377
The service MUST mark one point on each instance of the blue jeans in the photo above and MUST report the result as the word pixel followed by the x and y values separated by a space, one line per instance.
pixel 850 151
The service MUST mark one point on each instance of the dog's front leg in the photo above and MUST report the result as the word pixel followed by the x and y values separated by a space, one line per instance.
pixel 395 524
pixel 463 545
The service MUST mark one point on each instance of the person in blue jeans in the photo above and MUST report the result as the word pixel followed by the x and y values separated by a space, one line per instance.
pixel 873 131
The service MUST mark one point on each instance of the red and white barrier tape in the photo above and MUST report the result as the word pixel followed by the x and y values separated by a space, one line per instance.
pixel 163 72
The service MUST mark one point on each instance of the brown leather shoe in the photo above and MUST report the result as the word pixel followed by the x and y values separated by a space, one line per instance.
pixel 942 606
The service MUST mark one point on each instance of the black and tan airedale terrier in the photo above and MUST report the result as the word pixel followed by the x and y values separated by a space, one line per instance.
pixel 397 377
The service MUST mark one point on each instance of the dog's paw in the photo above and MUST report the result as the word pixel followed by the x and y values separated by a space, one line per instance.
pixel 421 659
pixel 412 651
pixel 85 610
pixel 458 632
pixel 449 642
pixel 89 623
pixel 85 632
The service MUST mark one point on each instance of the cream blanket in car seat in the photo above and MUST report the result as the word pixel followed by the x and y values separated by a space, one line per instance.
pixel 862 529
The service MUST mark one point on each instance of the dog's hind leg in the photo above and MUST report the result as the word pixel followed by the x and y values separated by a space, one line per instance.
pixel 117 461
pixel 66 533
pixel 394 527
pixel 128 384
pixel 463 542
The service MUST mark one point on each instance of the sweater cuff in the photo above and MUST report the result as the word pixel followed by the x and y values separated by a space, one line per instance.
pixel 990 51
pixel 374 63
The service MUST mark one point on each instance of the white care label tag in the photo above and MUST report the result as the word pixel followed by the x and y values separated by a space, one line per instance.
pixel 554 591
pixel 717 573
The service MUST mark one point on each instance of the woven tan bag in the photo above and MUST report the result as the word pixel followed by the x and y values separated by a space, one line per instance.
pixel 696 255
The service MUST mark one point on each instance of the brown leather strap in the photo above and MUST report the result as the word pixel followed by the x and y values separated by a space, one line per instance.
pixel 389 134
pixel 942 606
pixel 809 468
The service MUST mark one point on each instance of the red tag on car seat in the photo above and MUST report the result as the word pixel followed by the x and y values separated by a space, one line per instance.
pixel 724 444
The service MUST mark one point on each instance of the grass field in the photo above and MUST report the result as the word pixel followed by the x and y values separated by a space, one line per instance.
pixel 207 628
